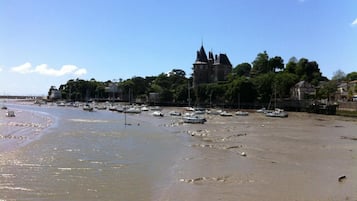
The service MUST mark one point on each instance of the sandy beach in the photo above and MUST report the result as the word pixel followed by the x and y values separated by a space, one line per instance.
pixel 25 127
pixel 304 157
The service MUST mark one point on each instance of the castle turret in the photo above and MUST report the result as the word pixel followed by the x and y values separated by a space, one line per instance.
pixel 212 69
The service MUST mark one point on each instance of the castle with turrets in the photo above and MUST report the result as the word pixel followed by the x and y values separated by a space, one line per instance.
pixel 213 68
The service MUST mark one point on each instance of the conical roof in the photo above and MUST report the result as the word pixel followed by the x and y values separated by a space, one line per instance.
pixel 201 55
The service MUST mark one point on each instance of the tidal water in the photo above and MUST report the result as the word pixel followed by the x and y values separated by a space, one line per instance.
pixel 90 156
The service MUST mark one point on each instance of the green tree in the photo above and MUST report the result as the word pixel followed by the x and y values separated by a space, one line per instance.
pixel 260 64
pixel 283 82
pixel 264 86
pixel 242 69
pixel 309 71
pixel 240 90
pixel 351 76
pixel 327 90
pixel 275 63
pixel 291 65
pixel 339 75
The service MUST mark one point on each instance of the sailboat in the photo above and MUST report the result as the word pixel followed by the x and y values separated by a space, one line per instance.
pixel 239 112
pixel 277 112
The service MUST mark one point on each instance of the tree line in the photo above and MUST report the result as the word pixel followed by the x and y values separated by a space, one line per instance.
pixel 254 82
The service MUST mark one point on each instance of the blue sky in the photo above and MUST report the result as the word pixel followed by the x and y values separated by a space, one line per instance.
pixel 47 42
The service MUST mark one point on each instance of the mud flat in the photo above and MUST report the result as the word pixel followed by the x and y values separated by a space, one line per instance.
pixel 302 157
pixel 25 127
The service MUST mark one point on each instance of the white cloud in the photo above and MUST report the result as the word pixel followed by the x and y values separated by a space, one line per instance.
pixel 23 69
pixel 354 23
pixel 43 69
pixel 0 69
pixel 80 72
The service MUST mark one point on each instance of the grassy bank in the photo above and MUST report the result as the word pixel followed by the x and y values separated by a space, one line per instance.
pixel 346 113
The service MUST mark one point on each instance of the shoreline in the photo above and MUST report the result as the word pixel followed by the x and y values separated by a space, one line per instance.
pixel 22 129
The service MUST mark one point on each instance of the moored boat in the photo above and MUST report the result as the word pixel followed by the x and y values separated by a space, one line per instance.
pixel 10 113
pixel 277 113
pixel 132 110
pixel 194 119
pixel 157 114
pixel 87 107
pixel 241 113
pixel 226 114
pixel 175 113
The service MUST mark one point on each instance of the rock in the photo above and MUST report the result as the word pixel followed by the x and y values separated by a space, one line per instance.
pixel 342 178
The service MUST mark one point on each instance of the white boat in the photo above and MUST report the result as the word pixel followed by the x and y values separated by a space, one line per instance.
pixel 112 108
pixel 144 108
pixel 277 113
pixel 120 108
pixel 100 107
pixel 175 113
pixel 200 111
pixel 157 114
pixel 156 108
pixel 133 110
pixel 194 119
pixel 10 113
pixel 61 104
pixel 87 107
pixel 226 114
pixel 261 110
pixel 189 109
pixel 241 113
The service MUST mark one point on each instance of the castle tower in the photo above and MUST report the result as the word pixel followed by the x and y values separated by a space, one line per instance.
pixel 201 68
pixel 211 69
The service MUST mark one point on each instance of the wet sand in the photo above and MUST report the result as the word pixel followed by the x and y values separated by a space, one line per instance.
pixel 25 127
pixel 302 157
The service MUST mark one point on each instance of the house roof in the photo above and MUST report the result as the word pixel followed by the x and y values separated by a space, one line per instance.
pixel 303 83
pixel 222 59
pixel 201 55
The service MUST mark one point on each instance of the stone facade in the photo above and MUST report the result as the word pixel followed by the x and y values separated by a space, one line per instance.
pixel 302 91
pixel 213 68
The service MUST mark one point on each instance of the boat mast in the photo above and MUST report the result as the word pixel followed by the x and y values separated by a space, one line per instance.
pixel 189 96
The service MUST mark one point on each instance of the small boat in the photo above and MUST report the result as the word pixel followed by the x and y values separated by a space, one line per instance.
pixel 157 114
pixel 112 108
pixel 261 110
pixel 189 109
pixel 226 114
pixel 200 111
pixel 101 107
pixel 10 113
pixel 120 108
pixel 61 104
pixel 277 113
pixel 132 110
pixel 175 113
pixel 241 113
pixel 194 119
pixel 87 107
pixel 156 108
pixel 144 108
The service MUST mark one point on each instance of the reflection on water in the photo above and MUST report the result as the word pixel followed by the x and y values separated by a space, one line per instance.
pixel 89 156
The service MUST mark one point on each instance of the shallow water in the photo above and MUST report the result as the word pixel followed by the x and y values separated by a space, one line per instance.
pixel 90 156
pixel 93 156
